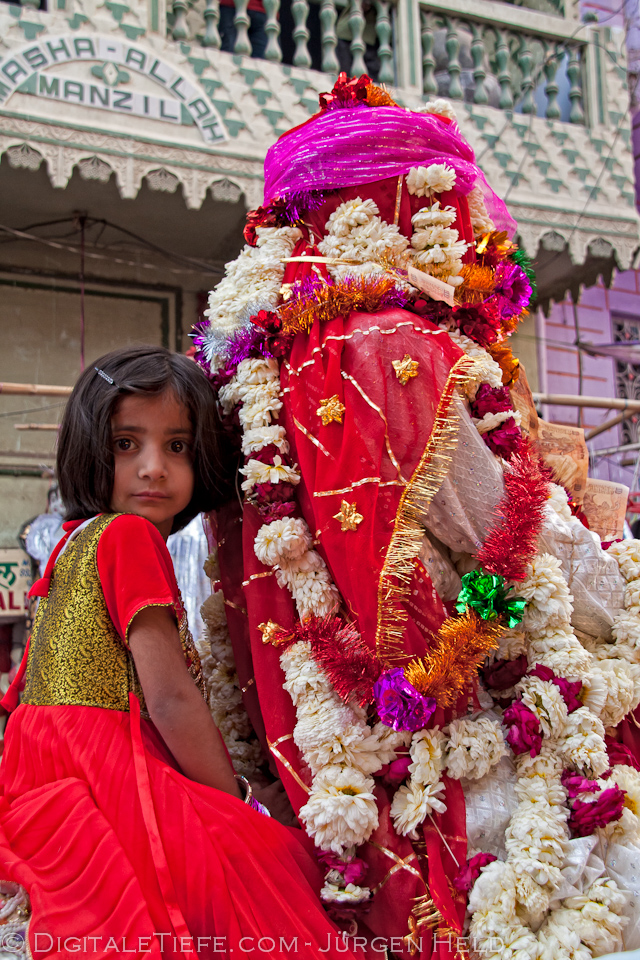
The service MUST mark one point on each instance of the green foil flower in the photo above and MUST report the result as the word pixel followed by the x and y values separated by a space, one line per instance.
pixel 485 593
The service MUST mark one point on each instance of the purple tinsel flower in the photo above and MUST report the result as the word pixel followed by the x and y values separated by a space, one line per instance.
pixel 399 704
pixel 513 289
pixel 245 343
pixel 298 202
pixel 204 344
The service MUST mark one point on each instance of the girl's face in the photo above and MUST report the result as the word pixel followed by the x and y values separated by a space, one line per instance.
pixel 153 453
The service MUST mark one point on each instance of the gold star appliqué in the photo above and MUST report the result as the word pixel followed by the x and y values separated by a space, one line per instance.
pixel 405 369
pixel 349 517
pixel 331 409
pixel 273 633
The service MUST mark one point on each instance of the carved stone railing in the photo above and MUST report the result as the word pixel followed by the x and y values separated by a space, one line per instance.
pixel 489 52
pixel 298 34
pixel 522 61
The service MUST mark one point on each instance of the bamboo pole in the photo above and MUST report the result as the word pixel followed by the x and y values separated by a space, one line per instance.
pixel 34 389
pixel 608 424
pixel 570 400
pixel 36 426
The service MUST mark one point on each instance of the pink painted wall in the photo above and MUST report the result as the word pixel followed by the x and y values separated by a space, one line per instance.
pixel 558 364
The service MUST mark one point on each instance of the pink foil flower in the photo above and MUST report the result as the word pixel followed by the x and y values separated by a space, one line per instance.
pixel 524 729
pixel 587 816
pixel 513 289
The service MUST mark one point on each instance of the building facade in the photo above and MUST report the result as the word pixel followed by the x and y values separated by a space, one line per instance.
pixel 133 135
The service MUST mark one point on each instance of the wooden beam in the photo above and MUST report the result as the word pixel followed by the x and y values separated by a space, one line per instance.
pixel 36 426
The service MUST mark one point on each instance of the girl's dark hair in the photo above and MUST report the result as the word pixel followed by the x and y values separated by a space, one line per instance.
pixel 85 463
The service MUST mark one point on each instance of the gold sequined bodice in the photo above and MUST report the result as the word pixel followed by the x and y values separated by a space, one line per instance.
pixel 76 656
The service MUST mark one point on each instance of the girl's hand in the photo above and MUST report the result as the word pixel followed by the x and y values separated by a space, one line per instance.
pixel 174 702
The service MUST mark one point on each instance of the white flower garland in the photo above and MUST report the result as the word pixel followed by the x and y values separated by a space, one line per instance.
pixel 252 280
pixel 511 898
pixel 356 232
pixel 223 687
pixel 439 250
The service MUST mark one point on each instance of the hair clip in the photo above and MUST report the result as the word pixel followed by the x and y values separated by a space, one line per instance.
pixel 105 376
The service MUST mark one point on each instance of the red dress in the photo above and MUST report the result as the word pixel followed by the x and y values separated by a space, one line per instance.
pixel 121 853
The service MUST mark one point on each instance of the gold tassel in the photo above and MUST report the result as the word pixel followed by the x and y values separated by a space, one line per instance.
pixel 408 531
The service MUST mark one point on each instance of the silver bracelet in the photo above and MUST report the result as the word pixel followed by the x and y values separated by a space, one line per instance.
pixel 249 798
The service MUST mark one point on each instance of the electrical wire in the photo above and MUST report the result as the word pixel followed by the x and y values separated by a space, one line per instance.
pixel 23 235
pixel 17 413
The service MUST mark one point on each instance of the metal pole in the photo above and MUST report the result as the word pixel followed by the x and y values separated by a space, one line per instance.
pixel 569 400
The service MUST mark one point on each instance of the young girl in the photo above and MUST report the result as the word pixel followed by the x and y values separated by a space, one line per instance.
pixel 119 809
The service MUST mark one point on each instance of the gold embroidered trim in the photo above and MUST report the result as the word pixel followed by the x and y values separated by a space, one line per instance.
pixel 159 603
pixel 359 483
pixel 408 531
pixel 258 576
pixel 396 212
pixel 313 439
pixel 387 331
pixel 399 864
pixel 235 606
pixel 249 682
pixel 273 748
pixel 374 406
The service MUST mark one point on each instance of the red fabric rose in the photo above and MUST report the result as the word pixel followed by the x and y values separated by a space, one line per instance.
pixel 586 816
pixel 574 784
pixel 505 440
pixel 469 873
pixel 503 674
pixel 524 729
pixel 490 400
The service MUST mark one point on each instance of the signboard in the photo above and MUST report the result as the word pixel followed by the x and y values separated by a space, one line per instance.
pixel 111 81
pixel 15 582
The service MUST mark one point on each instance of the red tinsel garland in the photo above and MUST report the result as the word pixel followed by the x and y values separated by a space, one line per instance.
pixel 512 544
pixel 347 661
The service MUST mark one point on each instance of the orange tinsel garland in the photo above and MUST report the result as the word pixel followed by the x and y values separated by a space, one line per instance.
pixel 328 301
pixel 503 355
pixel 452 663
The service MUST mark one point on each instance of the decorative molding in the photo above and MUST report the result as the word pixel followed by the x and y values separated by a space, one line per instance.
pixel 573 180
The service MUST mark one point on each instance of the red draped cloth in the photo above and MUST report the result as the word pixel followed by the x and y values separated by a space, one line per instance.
pixel 119 851
pixel 367 460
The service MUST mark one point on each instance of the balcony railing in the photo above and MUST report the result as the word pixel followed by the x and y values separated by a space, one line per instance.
pixel 496 53
pixel 299 33
pixel 501 65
